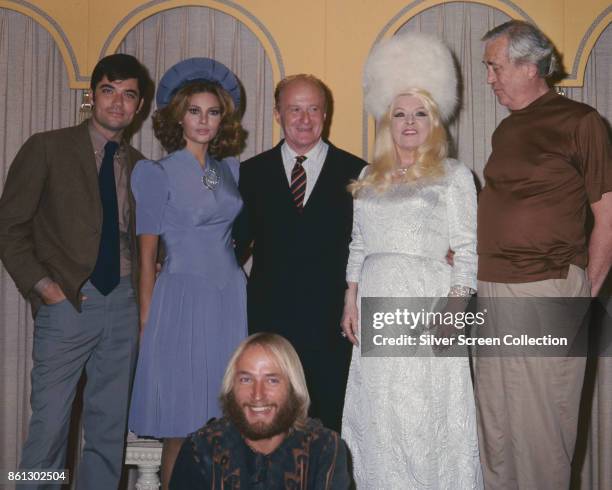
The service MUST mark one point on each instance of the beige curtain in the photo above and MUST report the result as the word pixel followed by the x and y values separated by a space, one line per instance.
pixel 171 36
pixel 34 96
pixel 592 468
pixel 462 25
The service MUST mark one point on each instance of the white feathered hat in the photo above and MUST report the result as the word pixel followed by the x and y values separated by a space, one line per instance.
pixel 407 61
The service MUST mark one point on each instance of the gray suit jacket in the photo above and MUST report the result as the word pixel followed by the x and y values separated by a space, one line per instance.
pixel 51 214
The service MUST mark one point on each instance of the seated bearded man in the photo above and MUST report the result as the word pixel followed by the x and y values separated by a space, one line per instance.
pixel 265 439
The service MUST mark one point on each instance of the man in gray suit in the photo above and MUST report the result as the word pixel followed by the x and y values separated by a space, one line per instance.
pixel 66 239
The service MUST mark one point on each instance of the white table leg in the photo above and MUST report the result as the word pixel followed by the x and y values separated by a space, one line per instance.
pixel 146 455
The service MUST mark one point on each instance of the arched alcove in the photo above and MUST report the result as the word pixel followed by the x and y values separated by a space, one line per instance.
pixel 416 7
pixel 461 25
pixel 590 39
pixel 597 87
pixel 34 96
pixel 593 446
pixel 55 30
pixel 34 86
pixel 169 36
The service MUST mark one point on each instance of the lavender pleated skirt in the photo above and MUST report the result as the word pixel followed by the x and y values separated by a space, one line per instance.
pixel 192 330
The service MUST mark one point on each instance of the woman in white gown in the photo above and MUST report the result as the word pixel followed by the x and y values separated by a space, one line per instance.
pixel 410 422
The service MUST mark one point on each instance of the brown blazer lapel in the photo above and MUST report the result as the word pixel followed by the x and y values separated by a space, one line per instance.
pixel 84 153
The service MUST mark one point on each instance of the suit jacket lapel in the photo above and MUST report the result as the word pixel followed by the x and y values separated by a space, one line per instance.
pixel 278 167
pixel 324 177
pixel 84 151
pixel 278 177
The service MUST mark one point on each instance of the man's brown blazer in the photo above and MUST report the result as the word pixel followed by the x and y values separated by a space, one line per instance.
pixel 51 214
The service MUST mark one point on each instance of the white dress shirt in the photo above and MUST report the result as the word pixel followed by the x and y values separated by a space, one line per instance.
pixel 312 165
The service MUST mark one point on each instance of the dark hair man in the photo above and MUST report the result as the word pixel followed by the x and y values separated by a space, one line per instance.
pixel 265 441
pixel 550 165
pixel 67 240
pixel 299 213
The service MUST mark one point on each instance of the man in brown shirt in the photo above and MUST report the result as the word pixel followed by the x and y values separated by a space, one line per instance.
pixel 550 164
pixel 66 239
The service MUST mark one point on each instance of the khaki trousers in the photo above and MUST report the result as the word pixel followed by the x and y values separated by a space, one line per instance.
pixel 527 407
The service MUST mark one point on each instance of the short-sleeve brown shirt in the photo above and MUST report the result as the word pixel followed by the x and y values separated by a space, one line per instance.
pixel 549 161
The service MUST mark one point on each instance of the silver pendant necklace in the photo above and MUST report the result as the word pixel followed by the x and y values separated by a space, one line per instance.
pixel 210 179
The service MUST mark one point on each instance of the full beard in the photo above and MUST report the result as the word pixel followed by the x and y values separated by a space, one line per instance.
pixel 282 422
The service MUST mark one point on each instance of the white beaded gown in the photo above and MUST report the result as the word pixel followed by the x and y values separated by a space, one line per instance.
pixel 410 422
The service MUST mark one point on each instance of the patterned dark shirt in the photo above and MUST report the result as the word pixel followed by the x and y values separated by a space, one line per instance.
pixel 216 457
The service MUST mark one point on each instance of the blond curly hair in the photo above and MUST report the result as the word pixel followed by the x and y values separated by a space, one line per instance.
pixel 429 156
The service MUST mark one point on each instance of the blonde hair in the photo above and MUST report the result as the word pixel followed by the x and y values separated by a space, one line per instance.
pixel 289 362
pixel 429 156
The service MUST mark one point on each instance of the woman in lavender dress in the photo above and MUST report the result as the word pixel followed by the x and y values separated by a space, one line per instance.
pixel 193 314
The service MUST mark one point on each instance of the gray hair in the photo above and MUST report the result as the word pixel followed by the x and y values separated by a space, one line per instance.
pixel 527 44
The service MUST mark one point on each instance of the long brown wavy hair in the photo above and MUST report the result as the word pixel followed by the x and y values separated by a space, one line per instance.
pixel 231 136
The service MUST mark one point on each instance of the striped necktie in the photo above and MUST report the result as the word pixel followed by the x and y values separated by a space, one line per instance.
pixel 298 182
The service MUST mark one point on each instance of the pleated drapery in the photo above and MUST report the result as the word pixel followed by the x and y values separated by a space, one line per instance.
pixel 174 35
pixel 592 468
pixel 461 26
pixel 35 96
